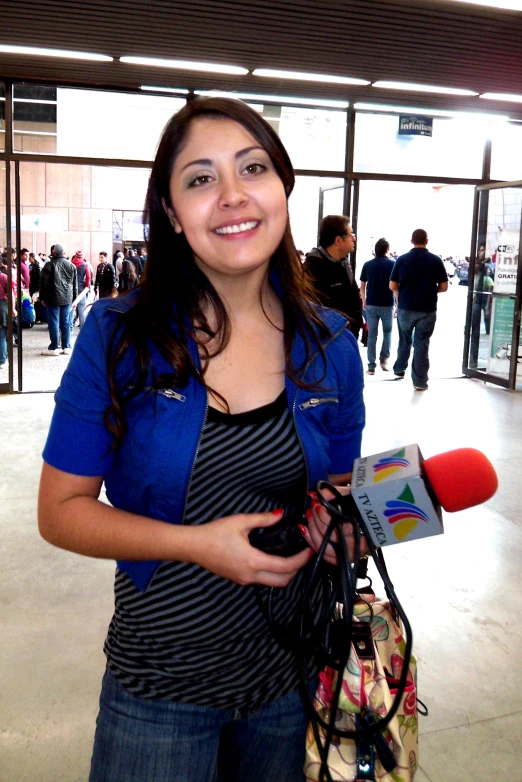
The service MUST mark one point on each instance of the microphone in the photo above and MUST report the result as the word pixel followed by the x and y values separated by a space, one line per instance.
pixel 399 494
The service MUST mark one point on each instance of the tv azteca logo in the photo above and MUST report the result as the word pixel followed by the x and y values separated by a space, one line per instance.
pixel 404 514
pixel 389 465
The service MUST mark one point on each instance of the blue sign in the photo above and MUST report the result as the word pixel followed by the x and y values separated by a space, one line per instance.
pixel 414 125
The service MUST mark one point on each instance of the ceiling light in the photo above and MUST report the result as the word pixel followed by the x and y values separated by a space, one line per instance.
pixel 178 90
pixel 38 52
pixel 299 76
pixel 510 5
pixel 320 102
pixel 186 65
pixel 422 112
pixel 502 96
pixel 403 85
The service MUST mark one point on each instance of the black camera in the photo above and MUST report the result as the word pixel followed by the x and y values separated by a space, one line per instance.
pixel 282 538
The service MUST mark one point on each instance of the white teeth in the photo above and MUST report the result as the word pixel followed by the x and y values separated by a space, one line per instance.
pixel 236 229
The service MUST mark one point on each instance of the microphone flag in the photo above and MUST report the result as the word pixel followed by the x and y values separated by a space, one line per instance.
pixel 394 498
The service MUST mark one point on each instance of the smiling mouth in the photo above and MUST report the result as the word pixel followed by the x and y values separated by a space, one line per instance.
pixel 237 228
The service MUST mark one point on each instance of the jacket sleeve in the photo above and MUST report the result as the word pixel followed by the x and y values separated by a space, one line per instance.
pixel 347 427
pixel 78 441
pixel 44 280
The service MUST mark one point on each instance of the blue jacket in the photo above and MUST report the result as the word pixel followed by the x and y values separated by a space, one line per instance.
pixel 150 473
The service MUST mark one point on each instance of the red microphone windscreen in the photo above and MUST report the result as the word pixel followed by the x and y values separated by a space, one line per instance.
pixel 461 478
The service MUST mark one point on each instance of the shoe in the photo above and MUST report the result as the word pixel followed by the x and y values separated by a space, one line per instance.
pixel 384 364
pixel 370 371
pixel 50 352
pixel 399 375
pixel 66 351
pixel 420 388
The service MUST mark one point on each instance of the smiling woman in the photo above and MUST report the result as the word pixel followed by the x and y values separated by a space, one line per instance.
pixel 199 423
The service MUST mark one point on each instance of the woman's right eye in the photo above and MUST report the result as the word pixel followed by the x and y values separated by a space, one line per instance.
pixel 200 180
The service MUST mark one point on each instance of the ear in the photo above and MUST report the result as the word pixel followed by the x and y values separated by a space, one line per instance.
pixel 172 217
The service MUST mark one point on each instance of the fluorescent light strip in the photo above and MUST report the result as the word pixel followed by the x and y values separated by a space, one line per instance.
pixel 322 103
pixel 64 53
pixel 508 5
pixel 299 76
pixel 421 112
pixel 403 85
pixel 508 97
pixel 186 65
pixel 174 90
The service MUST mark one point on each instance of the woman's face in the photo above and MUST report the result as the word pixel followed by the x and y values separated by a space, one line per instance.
pixel 227 198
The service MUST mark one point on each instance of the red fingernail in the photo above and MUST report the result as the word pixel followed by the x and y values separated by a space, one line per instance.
pixel 302 529
pixel 278 512
pixel 317 506
pixel 312 494
pixel 308 514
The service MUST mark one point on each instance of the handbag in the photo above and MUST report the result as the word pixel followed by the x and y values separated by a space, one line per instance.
pixel 369 685
pixel 364 716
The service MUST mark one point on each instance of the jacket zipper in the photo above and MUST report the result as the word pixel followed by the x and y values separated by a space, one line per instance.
pixel 195 456
pixel 306 367
pixel 315 401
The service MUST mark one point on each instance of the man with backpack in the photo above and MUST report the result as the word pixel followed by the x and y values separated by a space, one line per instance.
pixel 105 281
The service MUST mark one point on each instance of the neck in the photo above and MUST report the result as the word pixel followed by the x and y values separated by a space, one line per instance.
pixel 419 246
pixel 334 253
pixel 245 295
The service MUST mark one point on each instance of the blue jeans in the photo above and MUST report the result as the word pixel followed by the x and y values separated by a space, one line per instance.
pixel 80 310
pixel 417 327
pixel 59 319
pixel 373 315
pixel 3 345
pixel 140 740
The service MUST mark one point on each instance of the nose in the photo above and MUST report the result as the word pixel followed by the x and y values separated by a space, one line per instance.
pixel 232 192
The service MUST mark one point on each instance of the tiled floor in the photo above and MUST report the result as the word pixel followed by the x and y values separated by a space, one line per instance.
pixel 461 590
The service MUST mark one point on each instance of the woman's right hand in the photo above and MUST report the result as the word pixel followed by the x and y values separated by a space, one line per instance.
pixel 222 547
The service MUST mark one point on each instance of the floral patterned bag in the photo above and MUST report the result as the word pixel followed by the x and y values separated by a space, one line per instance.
pixel 369 685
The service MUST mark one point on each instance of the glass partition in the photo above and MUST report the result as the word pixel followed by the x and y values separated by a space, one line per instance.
pixel 314 138
pixel 506 152
pixel 91 209
pixel 89 123
pixel 455 149
pixel 311 200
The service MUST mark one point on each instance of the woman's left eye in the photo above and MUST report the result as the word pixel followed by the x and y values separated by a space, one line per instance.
pixel 254 168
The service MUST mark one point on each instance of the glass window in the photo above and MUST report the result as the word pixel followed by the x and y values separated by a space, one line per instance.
pixel 455 149
pixel 89 123
pixel 506 152
pixel 311 200
pixel 314 138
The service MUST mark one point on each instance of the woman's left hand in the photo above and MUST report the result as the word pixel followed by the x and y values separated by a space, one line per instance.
pixel 318 520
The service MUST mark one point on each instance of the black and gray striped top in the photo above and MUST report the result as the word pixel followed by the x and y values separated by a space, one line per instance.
pixel 196 637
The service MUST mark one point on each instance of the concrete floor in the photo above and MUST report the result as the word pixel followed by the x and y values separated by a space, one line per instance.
pixel 462 592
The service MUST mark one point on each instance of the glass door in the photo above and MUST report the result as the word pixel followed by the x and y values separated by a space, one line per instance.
pixel 492 348
pixel 393 210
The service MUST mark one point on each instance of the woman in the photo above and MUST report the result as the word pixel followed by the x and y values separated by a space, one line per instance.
pixel 128 278
pixel 218 395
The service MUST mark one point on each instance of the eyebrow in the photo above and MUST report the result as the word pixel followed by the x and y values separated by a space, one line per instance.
pixel 208 162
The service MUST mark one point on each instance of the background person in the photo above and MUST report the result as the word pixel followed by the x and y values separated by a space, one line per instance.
pixel 416 279
pixel 225 320
pixel 58 289
pixel 83 278
pixel 105 280
pixel 331 272
pixel 377 303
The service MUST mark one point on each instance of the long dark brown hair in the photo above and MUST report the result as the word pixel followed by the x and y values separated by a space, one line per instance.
pixel 174 293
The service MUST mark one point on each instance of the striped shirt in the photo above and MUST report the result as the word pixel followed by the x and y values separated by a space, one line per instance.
pixel 194 636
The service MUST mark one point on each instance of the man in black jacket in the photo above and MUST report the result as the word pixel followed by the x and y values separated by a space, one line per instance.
pixel 330 271
pixel 58 289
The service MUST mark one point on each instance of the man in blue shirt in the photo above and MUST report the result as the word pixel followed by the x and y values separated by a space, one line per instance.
pixel 417 278
pixel 377 300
